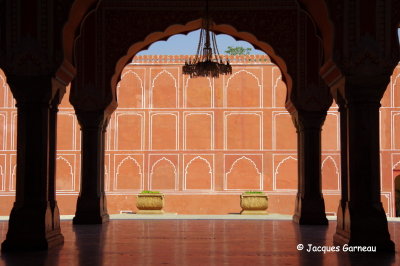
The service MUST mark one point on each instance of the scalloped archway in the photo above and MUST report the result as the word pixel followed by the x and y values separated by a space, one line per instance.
pixel 79 11
pixel 191 26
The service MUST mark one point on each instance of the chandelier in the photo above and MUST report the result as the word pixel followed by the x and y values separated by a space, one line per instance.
pixel 207 62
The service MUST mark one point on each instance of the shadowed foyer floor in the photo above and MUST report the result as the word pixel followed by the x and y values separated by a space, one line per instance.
pixel 253 241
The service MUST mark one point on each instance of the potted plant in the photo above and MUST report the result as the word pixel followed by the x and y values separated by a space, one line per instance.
pixel 254 202
pixel 150 202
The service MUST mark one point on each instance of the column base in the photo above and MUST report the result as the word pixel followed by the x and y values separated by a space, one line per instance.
pixel 341 226
pixel 56 215
pixel 40 243
pixel 364 225
pixel 91 210
pixel 90 218
pixel 31 228
pixel 310 211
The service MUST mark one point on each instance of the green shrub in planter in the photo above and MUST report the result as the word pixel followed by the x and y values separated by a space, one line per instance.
pixel 254 202
pixel 150 202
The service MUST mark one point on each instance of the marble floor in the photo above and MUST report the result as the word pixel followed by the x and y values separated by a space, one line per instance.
pixel 197 242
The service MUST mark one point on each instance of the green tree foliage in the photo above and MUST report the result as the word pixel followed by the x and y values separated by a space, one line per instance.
pixel 238 50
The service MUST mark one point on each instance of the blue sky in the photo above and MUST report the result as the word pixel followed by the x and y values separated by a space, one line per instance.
pixel 187 44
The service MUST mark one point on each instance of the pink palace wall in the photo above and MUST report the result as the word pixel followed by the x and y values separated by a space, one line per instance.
pixel 201 142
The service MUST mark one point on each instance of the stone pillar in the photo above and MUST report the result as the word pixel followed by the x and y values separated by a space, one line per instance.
pixel 364 221
pixel 52 160
pixel 91 207
pixel 310 206
pixel 341 225
pixel 31 224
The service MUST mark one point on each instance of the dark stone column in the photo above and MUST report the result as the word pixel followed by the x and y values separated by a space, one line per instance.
pixel 310 206
pixel 52 160
pixel 341 225
pixel 364 219
pixel 91 207
pixel 31 224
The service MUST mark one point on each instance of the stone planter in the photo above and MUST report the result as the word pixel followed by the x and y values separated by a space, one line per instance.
pixel 150 203
pixel 254 203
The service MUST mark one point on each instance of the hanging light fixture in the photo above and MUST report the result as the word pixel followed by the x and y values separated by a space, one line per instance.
pixel 207 62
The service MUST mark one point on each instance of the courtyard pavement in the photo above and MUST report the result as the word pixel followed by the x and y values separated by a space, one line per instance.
pixel 131 239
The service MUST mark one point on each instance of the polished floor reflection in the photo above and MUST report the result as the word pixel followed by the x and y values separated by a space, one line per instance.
pixel 197 242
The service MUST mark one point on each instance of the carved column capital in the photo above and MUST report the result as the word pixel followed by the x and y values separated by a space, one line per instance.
pixel 365 88
pixel 91 120
pixel 309 120
pixel 31 89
